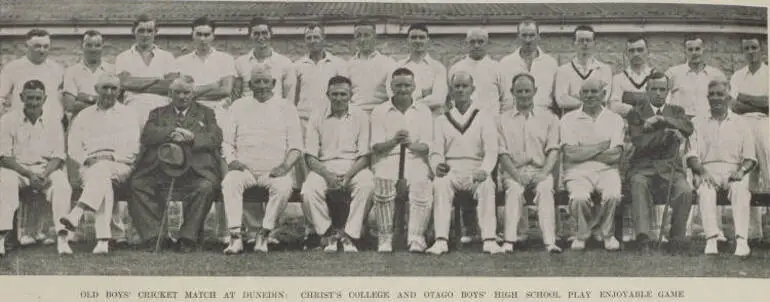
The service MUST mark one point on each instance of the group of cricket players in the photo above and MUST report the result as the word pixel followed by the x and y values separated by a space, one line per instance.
pixel 373 128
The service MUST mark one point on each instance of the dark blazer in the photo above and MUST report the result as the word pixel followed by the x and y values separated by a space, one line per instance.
pixel 656 143
pixel 205 147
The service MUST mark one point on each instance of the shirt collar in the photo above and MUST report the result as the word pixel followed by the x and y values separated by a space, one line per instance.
pixel 705 69
pixel 483 59
pixel 592 63
pixel 532 112
pixel 540 54
pixel 327 58
pixel 393 106
pixel 655 109
pixel 254 58
pixel 153 48
pixel 583 114
pixel 25 119
pixel 425 59
pixel 85 67
pixel 645 71
pixel 184 112
pixel 729 116
pixel 330 113
pixel 374 54
pixel 472 107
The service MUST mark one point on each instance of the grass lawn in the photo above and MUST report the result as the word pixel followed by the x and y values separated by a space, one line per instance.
pixel 466 262
pixel 469 261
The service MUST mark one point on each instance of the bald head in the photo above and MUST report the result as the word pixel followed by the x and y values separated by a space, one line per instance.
pixel 107 79
pixel 462 86
pixel 262 71
pixel 592 92
pixel 476 41
pixel 262 82
pixel 477 33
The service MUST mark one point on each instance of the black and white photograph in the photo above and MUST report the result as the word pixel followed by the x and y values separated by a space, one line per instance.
pixel 162 138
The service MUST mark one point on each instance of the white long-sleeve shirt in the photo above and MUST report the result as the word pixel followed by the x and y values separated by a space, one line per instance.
pixel 490 86
pixel 473 136
pixel 114 131
pixel 262 133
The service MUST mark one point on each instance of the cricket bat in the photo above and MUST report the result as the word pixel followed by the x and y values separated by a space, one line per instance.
pixel 402 198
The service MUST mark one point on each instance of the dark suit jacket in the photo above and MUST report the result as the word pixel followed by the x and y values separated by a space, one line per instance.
pixel 656 146
pixel 205 147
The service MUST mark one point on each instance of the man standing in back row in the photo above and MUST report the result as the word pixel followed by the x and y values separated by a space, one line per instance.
pixel 583 67
pixel 430 75
pixel 145 70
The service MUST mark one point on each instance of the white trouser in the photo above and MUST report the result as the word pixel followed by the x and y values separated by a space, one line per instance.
pixel 314 199
pixel 420 196
pixel 460 179
pixel 514 206
pixel 236 182
pixel 143 105
pixel 99 195
pixel 592 218
pixel 58 194
pixel 738 193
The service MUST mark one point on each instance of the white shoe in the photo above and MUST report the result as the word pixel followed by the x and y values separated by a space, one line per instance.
pixel 348 246
pixel 41 237
pixel 48 241
pixel 331 245
pixel 272 240
pixel 385 243
pixel 27 240
pixel 466 239
pixel 611 244
pixel 711 247
pixel 553 249
pixel 508 247
pixel 2 246
pixel 102 247
pixel 578 245
pixel 62 246
pixel 490 246
pixel 721 238
pixel 742 248
pixel 664 239
pixel 417 246
pixel 260 245
pixel 439 247
pixel 235 246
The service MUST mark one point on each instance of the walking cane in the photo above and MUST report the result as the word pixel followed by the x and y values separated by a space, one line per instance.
pixel 164 221
pixel 668 194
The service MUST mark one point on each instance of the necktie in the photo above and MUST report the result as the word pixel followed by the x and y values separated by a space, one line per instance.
pixel 658 111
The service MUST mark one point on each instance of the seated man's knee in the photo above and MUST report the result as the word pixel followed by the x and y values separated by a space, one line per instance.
pixel 282 185
pixel 364 180
pixel 545 187
pixel 233 179
pixel 205 186
pixel 314 184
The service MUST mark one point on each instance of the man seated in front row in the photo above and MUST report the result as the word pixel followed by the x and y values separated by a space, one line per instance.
pixel 722 155
pixel 657 131
pixel 193 128
pixel 336 150
pixel 402 121
pixel 529 147
pixel 104 141
pixel 31 155
pixel 263 143
pixel 592 142
pixel 464 153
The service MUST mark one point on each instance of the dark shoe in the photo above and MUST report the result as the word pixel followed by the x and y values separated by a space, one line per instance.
pixel 165 243
pixel 311 242
pixel 187 245
pixel 643 243
pixel 119 245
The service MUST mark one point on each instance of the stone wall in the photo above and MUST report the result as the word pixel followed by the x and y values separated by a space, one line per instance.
pixel 666 48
